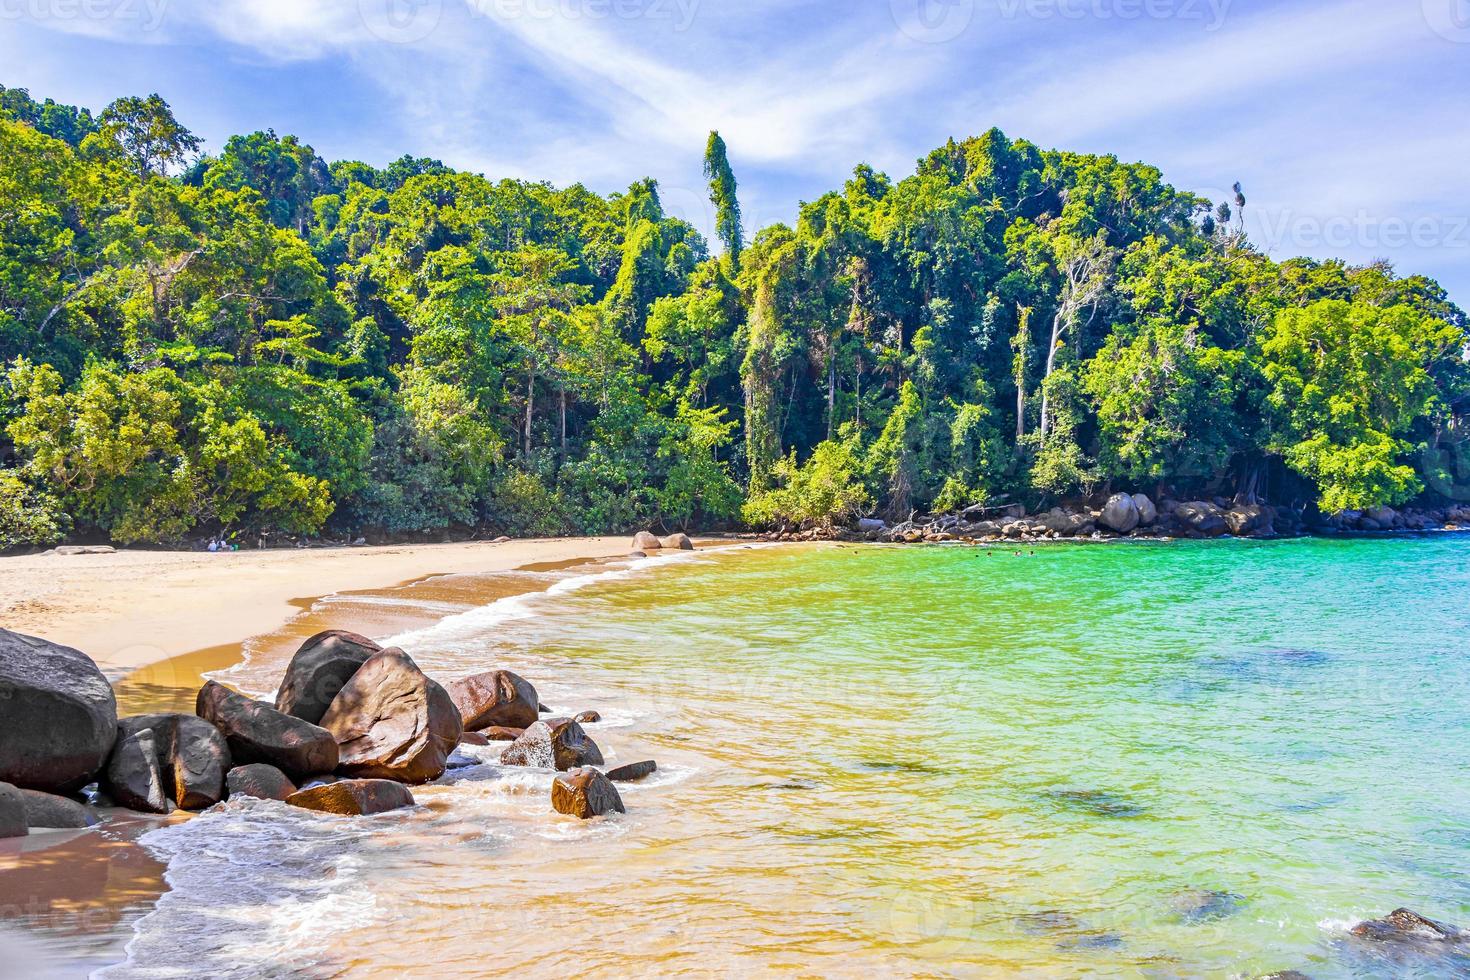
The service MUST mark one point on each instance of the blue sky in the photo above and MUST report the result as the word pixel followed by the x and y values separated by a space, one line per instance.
pixel 1346 120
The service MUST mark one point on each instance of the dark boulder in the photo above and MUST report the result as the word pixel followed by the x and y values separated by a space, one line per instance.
pixel 393 722
pixel 1246 520
pixel 496 697
pixel 587 718
pixel 58 715
pixel 320 668
pixel 1119 514
pixel 500 733
pixel 54 812
pixel 678 542
pixel 260 780
pixel 134 778
pixel 562 746
pixel 12 812
pixel 354 797
pixel 256 732
pixel 473 738
pixel 632 772
pixel 1201 519
pixel 1405 926
pixel 1147 512
pixel 193 757
pixel 585 793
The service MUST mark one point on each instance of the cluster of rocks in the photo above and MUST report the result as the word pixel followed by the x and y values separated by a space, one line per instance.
pixel 646 541
pixel 1132 515
pixel 352 727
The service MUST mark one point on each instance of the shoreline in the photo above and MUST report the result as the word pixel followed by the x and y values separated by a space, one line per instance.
pixel 131 609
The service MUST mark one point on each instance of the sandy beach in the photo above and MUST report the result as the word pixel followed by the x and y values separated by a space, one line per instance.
pixel 132 608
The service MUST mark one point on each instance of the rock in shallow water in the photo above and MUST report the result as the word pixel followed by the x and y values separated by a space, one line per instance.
pixel 632 772
pixel 257 732
pixel 134 778
pixel 585 793
pixel 393 722
pixel 1405 926
pixel 262 781
pixel 562 746
pixel 58 715
pixel 318 671
pixel 496 697
pixel 193 757
pixel 354 797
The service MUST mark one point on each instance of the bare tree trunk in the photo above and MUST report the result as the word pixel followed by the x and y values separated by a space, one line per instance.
pixel 563 460
pixel 1051 363
pixel 530 404
pixel 831 389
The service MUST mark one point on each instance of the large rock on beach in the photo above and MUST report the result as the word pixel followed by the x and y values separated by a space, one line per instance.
pixel 633 772
pixel 1248 519
pixel 260 780
pixel 320 668
pixel 1147 512
pixel 560 744
pixel 1119 514
pixel 354 797
pixel 646 541
pixel 193 757
pixel 58 715
pixel 678 542
pixel 1201 519
pixel 256 732
pixel 497 697
pixel 134 779
pixel 393 722
pixel 12 812
pixel 585 793
pixel 53 812
pixel 499 733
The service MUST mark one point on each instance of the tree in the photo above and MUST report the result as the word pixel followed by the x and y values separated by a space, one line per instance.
pixel 146 133
pixel 722 194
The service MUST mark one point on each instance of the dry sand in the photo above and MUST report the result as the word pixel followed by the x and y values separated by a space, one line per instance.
pixel 132 608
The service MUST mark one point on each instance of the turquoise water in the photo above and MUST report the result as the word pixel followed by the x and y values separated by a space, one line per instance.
pixel 1142 759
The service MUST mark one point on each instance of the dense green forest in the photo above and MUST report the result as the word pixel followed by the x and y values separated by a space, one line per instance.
pixel 262 342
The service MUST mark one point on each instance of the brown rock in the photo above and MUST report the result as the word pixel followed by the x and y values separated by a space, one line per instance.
pixel 678 542
pixel 12 812
pixel 193 757
pixel 54 812
pixel 134 778
pixel 562 746
pixel 1403 925
pixel 473 738
pixel 587 718
pixel 262 781
pixel 354 797
pixel 58 715
pixel 632 772
pixel 646 541
pixel 318 670
pixel 256 732
pixel 499 733
pixel 392 722
pixel 585 793
pixel 497 697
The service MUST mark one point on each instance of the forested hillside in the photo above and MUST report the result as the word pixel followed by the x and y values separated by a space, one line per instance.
pixel 262 342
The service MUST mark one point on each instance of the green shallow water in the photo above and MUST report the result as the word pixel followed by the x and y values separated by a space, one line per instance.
pixel 1145 759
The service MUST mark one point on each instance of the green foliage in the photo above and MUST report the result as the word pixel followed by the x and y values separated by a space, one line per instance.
pixel 27 516
pixel 824 491
pixel 722 193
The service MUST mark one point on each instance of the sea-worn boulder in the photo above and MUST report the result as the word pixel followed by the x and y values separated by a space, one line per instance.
pixel 1405 926
pixel 633 771
pixel 54 812
pixel 58 716
pixel 496 697
pixel 354 797
pixel 1147 512
pixel 1201 518
pixel 193 757
pixel 646 541
pixel 256 732
pixel 1245 520
pixel 320 668
pixel 1119 514
pixel 260 780
pixel 473 738
pixel 587 718
pixel 678 542
pixel 559 744
pixel 1062 521
pixel 500 733
pixel 392 722
pixel 868 525
pixel 12 812
pixel 1384 517
pixel 585 793
pixel 134 779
